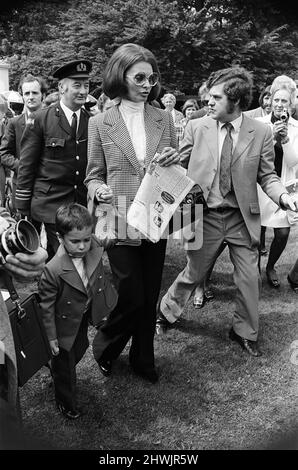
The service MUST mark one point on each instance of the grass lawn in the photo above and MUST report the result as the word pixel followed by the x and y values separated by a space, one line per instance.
pixel 211 394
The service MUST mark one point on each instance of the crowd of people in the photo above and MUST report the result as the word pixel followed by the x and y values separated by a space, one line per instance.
pixel 68 153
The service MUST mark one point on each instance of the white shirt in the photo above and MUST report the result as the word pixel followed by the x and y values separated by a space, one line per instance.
pixel 68 113
pixel 133 115
pixel 80 267
pixel 215 198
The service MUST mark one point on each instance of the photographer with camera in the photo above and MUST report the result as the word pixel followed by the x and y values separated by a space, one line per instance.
pixel 23 265
pixel 285 134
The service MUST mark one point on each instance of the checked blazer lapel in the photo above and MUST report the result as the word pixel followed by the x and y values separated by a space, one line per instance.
pixel 154 127
pixel 246 136
pixel 120 136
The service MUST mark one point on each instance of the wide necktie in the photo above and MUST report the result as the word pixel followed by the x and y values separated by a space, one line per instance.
pixel 74 124
pixel 225 179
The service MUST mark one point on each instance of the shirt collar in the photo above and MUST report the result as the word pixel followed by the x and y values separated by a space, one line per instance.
pixel 236 123
pixel 68 112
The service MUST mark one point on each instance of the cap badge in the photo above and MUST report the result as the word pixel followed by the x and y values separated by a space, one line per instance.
pixel 81 67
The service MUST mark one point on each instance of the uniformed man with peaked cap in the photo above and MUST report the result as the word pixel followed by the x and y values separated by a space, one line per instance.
pixel 54 152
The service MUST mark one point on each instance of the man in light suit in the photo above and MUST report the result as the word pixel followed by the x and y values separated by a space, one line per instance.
pixel 33 90
pixel 227 153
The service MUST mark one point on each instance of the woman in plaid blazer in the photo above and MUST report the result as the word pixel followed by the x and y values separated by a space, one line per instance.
pixel 121 144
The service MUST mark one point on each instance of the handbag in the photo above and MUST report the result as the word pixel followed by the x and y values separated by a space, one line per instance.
pixel 32 347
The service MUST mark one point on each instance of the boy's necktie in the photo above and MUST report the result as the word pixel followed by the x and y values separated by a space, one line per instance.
pixel 225 179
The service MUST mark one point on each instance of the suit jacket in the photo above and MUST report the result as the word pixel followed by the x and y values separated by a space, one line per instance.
pixel 53 164
pixel 252 162
pixel 111 156
pixel 11 144
pixel 254 113
pixel 64 297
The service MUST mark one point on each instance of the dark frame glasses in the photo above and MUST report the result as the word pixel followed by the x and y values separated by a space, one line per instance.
pixel 140 78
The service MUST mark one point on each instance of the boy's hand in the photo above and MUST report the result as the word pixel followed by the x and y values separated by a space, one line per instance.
pixel 54 347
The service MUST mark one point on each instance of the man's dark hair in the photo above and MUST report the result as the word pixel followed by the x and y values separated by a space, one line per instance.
pixel 72 216
pixel 238 84
pixel 32 78
pixel 114 81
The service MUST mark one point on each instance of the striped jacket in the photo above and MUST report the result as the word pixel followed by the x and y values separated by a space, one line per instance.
pixel 111 156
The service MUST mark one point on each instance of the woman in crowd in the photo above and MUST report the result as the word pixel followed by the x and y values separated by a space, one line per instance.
pixel 285 133
pixel 122 143
pixel 187 110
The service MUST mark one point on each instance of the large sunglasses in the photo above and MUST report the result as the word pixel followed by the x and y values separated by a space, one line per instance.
pixel 140 78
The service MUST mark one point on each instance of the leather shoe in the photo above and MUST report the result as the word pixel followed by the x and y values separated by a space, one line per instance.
pixel 249 346
pixel 105 367
pixel 162 324
pixel 68 413
pixel 272 278
pixel 148 374
pixel 292 284
pixel 198 301
pixel 209 294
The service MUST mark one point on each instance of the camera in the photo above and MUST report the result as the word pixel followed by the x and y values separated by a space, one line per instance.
pixel 22 238
pixel 284 115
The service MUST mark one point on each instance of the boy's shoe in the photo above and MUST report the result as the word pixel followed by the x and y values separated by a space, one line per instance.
pixel 70 414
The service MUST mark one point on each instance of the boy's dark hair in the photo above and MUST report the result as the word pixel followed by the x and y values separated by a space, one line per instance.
pixel 237 84
pixel 71 216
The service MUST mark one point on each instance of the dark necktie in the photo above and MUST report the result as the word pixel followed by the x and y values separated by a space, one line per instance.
pixel 74 123
pixel 225 162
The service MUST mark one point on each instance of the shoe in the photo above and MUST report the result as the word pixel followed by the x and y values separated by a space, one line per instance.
pixel 105 367
pixel 209 294
pixel 198 301
pixel 272 278
pixel 68 413
pixel 162 324
pixel 249 346
pixel 148 374
pixel 293 285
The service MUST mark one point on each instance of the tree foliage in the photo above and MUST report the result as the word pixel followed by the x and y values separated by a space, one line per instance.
pixel 190 38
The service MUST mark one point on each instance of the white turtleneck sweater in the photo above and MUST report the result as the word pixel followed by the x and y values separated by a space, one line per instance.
pixel 133 115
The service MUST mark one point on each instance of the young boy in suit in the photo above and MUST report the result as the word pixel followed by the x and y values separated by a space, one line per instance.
pixel 73 292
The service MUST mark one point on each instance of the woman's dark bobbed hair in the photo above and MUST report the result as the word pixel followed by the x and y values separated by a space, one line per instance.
pixel 114 84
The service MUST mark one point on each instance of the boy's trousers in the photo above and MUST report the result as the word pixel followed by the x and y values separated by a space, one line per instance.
pixel 64 367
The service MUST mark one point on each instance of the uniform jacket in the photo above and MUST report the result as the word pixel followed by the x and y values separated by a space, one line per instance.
pixel 111 156
pixel 64 297
pixel 11 144
pixel 252 162
pixel 53 165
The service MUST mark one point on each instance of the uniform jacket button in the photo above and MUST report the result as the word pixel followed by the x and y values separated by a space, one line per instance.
pixel 64 317
pixel 68 302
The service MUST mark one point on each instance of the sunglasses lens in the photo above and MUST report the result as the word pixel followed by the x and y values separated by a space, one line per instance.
pixel 153 79
pixel 140 79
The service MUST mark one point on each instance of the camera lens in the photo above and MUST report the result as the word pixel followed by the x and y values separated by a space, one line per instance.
pixel 23 238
